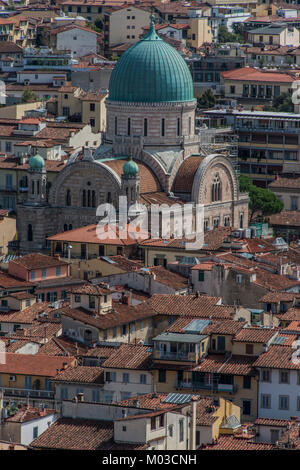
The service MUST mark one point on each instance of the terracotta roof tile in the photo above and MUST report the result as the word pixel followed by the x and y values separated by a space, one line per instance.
pixel 122 314
pixel 130 356
pixel 148 181
pixel 37 261
pixel 75 434
pixel 255 335
pixel 27 414
pixel 253 74
pixel 234 365
pixel 91 289
pixel 185 176
pixel 190 305
pixel 88 234
pixel 81 374
pixel 31 364
pixel 284 182
pixel 234 442
pixel 282 423
pixel 277 357
pixel 8 281
pixel 169 278
pixel 286 218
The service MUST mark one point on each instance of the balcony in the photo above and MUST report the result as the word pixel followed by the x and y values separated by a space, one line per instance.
pixel 22 392
pixel 230 388
pixel 175 356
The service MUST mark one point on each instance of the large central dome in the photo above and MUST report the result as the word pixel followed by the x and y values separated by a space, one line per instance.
pixel 151 71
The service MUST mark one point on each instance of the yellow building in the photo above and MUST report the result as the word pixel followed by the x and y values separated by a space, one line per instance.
pixel 195 355
pixel 200 32
pixel 8 230
pixel 251 86
pixel 277 35
pixel 124 25
pixel 88 107
pixel 112 320
pixel 93 111
pixel 29 375
pixel 18 29
pixel 89 9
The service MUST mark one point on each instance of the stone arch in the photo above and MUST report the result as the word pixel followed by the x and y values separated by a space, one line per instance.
pixel 208 164
pixel 81 172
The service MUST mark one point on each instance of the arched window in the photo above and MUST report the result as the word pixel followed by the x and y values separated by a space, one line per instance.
pixel 93 199
pixel 68 197
pixel 128 126
pixel 38 187
pixel 29 233
pixel 108 197
pixel 132 194
pixel 65 227
pixel 145 127
pixel 70 227
pixel 216 189
pixel 84 198
pixel 89 198
pixel 32 187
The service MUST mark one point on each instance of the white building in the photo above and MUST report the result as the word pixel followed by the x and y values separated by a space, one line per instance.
pixel 126 373
pixel 78 39
pixel 279 381
pixel 27 424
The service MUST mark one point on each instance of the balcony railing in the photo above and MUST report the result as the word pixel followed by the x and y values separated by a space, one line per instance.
pixel 23 392
pixel 206 386
pixel 174 356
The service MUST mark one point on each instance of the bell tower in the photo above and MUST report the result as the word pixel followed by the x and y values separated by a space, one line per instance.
pixel 37 181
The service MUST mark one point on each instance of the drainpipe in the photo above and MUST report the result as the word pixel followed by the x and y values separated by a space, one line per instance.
pixel 193 405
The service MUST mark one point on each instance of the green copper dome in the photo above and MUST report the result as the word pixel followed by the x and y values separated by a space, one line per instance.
pixel 36 162
pixel 151 71
pixel 130 168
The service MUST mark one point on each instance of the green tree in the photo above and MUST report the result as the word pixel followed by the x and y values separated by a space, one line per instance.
pixel 28 96
pixel 225 36
pixel 262 201
pixel 98 24
pixel 282 103
pixel 207 99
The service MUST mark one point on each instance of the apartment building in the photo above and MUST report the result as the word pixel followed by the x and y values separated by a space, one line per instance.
pixel 268 141
pixel 250 86
pixel 90 10
pixel 206 70
pixel 124 25
pixel 280 35
pixel 279 379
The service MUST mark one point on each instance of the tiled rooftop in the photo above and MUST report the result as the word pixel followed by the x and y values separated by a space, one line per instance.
pixel 255 335
pixel 130 356
pixel 81 374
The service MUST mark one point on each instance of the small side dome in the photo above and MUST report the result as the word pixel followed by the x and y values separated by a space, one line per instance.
pixel 36 162
pixel 130 168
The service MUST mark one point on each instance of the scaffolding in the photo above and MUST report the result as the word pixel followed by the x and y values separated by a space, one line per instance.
pixel 221 140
